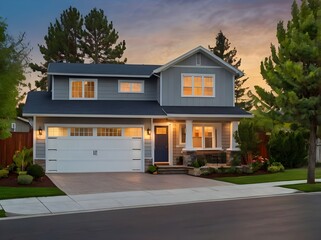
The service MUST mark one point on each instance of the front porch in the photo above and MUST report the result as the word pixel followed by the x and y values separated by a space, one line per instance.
pixel 188 139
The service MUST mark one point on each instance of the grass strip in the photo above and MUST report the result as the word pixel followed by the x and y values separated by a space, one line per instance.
pixel 24 192
pixel 288 175
pixel 304 187
pixel 2 213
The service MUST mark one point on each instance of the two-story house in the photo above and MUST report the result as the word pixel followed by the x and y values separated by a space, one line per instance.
pixel 114 117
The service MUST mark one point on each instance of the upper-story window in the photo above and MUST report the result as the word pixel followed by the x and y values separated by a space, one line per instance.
pixel 198 85
pixel 128 86
pixel 83 89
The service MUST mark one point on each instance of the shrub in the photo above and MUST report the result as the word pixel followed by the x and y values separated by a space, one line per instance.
pixel 199 162
pixel 256 166
pixel 152 169
pixel 288 148
pixel 276 167
pixel 236 160
pixel 231 169
pixel 23 158
pixel 4 173
pixel 25 179
pixel 36 171
pixel 12 167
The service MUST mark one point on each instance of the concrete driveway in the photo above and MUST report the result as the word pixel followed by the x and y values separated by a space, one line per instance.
pixel 88 183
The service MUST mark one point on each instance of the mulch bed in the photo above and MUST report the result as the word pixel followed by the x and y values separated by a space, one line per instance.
pixel 11 181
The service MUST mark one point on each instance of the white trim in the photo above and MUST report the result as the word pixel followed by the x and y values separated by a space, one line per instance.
pixel 95 115
pixel 208 116
pixel 52 88
pixel 206 52
pixel 142 82
pixel 96 75
pixel 152 139
pixel 161 89
pixel 191 66
pixel 83 88
pixel 34 138
pixel 180 127
pixel 233 81
pixel 193 75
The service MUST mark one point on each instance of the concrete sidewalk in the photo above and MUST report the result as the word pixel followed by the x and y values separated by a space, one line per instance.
pixel 130 199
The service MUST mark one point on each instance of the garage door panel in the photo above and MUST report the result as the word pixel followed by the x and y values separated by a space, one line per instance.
pixel 94 154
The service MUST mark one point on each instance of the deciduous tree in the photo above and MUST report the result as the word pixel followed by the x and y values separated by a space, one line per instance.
pixel 13 56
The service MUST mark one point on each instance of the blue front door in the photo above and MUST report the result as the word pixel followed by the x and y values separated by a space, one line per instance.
pixel 161 144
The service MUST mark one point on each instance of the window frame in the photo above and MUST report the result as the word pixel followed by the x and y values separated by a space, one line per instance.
pixel 83 80
pixel 181 127
pixel 131 82
pixel 193 75
pixel 214 137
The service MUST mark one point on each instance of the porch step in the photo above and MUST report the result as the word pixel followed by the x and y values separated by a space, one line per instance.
pixel 168 169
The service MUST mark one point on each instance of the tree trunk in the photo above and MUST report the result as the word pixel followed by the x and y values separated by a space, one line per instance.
pixel 312 152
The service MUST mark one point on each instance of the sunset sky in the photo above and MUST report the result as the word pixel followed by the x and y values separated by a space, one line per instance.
pixel 157 31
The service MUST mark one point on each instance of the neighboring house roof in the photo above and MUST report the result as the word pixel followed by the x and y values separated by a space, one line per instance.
pixel 208 53
pixel 183 111
pixel 41 104
pixel 102 70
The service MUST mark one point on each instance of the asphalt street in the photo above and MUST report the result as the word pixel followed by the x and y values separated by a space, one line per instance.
pixel 288 217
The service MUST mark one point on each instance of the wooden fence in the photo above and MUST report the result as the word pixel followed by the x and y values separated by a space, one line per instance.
pixel 16 142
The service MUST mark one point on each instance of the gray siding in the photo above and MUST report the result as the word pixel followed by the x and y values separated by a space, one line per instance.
pixel 40 149
pixel 171 80
pixel 191 61
pixel 107 89
pixel 21 126
pixel 61 88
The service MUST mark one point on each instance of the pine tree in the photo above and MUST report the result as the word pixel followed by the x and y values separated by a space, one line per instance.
pixel 222 50
pixel 293 71
pixel 100 37
pixel 62 43
pixel 13 57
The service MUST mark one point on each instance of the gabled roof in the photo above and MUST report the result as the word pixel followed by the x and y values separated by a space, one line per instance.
pixel 102 70
pixel 207 53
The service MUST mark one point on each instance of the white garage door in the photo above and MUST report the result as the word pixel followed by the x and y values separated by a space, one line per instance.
pixel 94 149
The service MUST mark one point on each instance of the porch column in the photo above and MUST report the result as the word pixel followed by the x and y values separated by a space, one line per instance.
pixel 189 135
pixel 233 129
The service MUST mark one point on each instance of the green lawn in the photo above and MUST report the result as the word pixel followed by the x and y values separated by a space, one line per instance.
pixel 304 187
pixel 2 213
pixel 24 192
pixel 288 175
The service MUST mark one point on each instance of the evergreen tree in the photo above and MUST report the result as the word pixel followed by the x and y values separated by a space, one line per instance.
pixel 222 50
pixel 293 71
pixel 13 57
pixel 100 37
pixel 62 43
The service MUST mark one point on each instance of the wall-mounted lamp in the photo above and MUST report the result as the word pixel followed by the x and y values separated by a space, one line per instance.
pixel 40 131
pixel 148 131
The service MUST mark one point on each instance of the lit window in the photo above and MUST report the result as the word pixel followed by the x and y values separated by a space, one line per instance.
pixel 83 89
pixel 108 132
pixel 133 132
pixel 197 85
pixel 77 132
pixel 203 137
pixel 130 86
pixel 57 132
